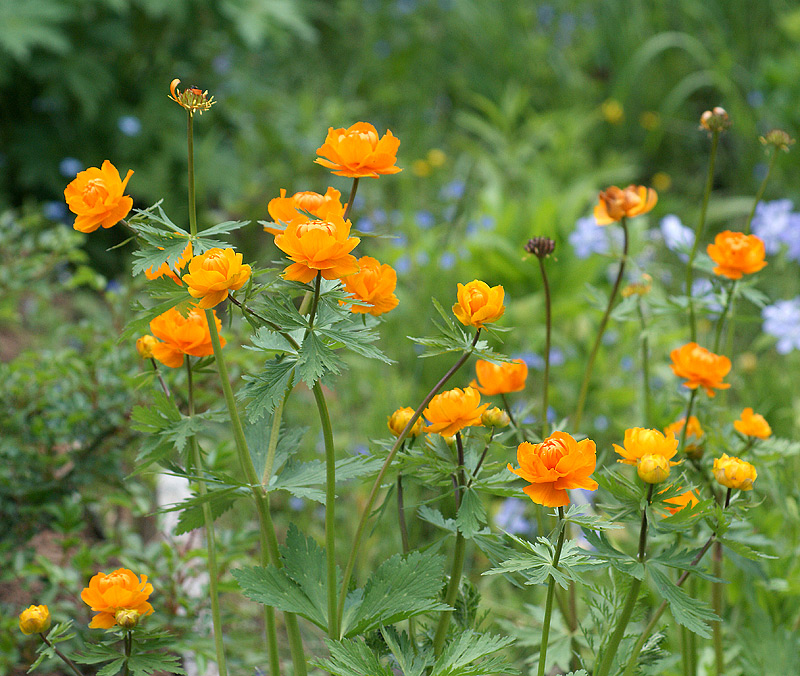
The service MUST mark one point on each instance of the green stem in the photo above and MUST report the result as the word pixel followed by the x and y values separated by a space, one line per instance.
pixel 517 429
pixel 274 436
pixel 211 544
pixel 192 199
pixel 315 301
pixel 127 642
pixel 698 233
pixel 160 377
pixel 761 190
pixel 66 660
pixel 352 198
pixel 451 594
pixel 630 602
pixel 548 326
pixel 348 571
pixel 716 605
pixel 689 407
pixel 401 519
pixel 723 316
pixel 648 403
pixel 587 375
pixel 551 588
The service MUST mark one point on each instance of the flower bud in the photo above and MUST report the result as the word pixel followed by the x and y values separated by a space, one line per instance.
pixel 541 247
pixel 34 620
pixel 127 618
pixel 777 138
pixel 716 120
pixel 399 419
pixel 653 469
pixel 145 345
pixel 495 417
pixel 734 473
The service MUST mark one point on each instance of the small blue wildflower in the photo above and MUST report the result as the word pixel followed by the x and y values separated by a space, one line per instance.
pixel 378 215
pixel 358 202
pixel 755 98
pixel 626 363
pixel 703 290
pixel 589 238
pixel 677 237
pixel 129 125
pixel 69 167
pixel 425 219
pixel 453 190
pixel 422 258
pixel 471 229
pixel 601 423
pixel 531 359
pixel 364 224
pixel 463 253
pixel 400 241
pixel 113 286
pixel 361 449
pixel 55 211
pixel 296 504
pixel 449 213
pixel 557 357
pixel 770 222
pixel 511 517
pixel 551 414
pixel 610 337
pixel 581 496
pixel 782 320
pixel 447 260
pixel 222 63
pixel 488 223
pixel 402 265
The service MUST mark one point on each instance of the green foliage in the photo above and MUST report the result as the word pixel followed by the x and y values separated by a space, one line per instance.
pixel 687 611
pixel 147 654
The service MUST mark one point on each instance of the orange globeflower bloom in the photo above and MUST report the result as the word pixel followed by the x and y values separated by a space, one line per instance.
pixel 555 465
pixel 215 272
pixel 753 425
pixel 165 269
pixel 399 419
pixel 286 209
pixel 694 430
pixel 357 152
pixel 374 285
pixel 500 378
pixel 34 620
pixel 479 304
pixel 640 442
pixel 734 473
pixel 736 254
pixel 700 367
pixel 182 335
pixel 453 410
pixel 95 196
pixel 687 499
pixel 318 246
pixel 118 591
pixel 615 203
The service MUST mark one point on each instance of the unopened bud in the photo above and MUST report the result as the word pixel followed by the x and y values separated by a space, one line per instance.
pixel 399 419
pixel 652 468
pixel 495 417
pixel 777 138
pixel 34 620
pixel 541 247
pixel 715 120
pixel 126 618
pixel 145 345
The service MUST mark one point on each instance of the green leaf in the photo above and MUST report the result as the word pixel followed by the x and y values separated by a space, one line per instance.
pixel 265 389
pixel 471 514
pixel 191 516
pixel 435 517
pixel 744 550
pixel 399 589
pixel 316 359
pixel 410 659
pixel 578 514
pixel 145 664
pixel 468 655
pixel 352 658
pixel 302 478
pixel 689 612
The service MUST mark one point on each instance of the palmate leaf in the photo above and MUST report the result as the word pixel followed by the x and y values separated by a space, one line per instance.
pixel 471 514
pixel 687 611
pixel 410 659
pixel 304 479
pixel 316 359
pixel 578 514
pixel 435 517
pixel 452 338
pixel 191 516
pixel 145 664
pixel 352 658
pixel 744 550
pixel 469 655
pixel 265 389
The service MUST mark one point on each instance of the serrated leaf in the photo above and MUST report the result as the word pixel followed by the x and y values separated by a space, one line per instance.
pixel 471 514
pixel 315 359
pixel 145 664
pixel 352 658
pixel 265 389
pixel 744 550
pixel 435 517
pixel 192 517
pixel 578 514
pixel 410 659
pixel 689 612
pixel 536 562
pixel 468 655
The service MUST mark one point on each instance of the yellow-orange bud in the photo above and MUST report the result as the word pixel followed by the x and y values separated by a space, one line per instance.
pixel 127 618
pixel 653 469
pixel 734 473
pixel 399 419
pixel 145 345
pixel 495 417
pixel 34 620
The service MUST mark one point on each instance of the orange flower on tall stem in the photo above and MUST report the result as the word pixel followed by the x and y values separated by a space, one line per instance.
pixel 454 410
pixel 169 271
pixel 555 465
pixel 215 272
pixel 478 303
pixel 640 442
pixel 318 246
pixel 181 335
pixel 287 209
pixel 109 594
pixel 372 286
pixel 500 378
pixel 615 203
pixel 753 425
pixel 96 197
pixel 700 367
pixel 736 254
pixel 358 152
pixel 734 473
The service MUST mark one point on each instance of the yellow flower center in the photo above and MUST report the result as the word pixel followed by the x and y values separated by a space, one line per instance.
pixel 95 192
pixel 550 452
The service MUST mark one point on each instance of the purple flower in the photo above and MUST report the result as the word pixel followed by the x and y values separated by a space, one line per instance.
pixel 782 320
pixel 510 517
pixel 677 237
pixel 772 221
pixel 589 238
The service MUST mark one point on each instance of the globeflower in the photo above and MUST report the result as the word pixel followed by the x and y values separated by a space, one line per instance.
pixel 500 378
pixel 479 304
pixel 639 443
pixel 34 620
pixel 358 152
pixel 215 272
pixel 615 203
pixel 734 473
pixel 700 367
pixel 318 247
pixel 555 465
pixel 753 425
pixel 694 435
pixel 145 345
pixel 182 335
pixel 653 469
pixel 454 410
pixel 736 254
pixel 687 499
pixel 287 209
pixel 165 269
pixel 96 197
pixel 121 590
pixel 399 419
pixel 372 286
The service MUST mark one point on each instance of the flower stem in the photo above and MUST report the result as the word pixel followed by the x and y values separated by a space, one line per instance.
pixel 761 190
pixel 548 326
pixel 351 199
pixel 648 399
pixel 724 315
pixel 66 660
pixel 630 601
pixel 348 571
pixel 519 431
pixel 551 589
pixel 160 377
pixel 699 232
pixel 127 642
pixel 314 302
pixel 587 375
pixel 689 407
pixel 211 543
pixel 716 605
pixel 190 163
pixel 451 594
pixel 401 520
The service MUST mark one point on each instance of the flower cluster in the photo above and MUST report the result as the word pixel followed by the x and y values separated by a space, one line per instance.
pixel 115 596
pixel 650 451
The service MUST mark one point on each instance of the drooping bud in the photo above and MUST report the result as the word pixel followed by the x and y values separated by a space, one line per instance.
pixel 777 138
pixel 495 417
pixel 715 120
pixel 652 468
pixel 541 247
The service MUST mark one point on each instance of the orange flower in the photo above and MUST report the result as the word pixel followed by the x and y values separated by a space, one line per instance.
pixel 453 410
pixel 478 304
pixel 34 620
pixel 95 196
pixel 640 442
pixel 399 419
pixel 357 152
pixel 189 335
pixel 287 209
pixel 318 246
pixel 117 591
pixel 689 498
pixel 615 203
pixel 695 429
pixel 652 468
pixel 165 269
pixel 555 465
pixel 500 378
pixel 753 425
pixel 214 273
pixel 736 254
pixel 373 284
pixel 700 367
pixel 734 473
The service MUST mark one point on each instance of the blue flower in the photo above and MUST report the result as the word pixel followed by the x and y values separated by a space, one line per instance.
pixel 531 359
pixel 402 265
pixel 510 517
pixel 129 125
pixel 364 224
pixel 488 223
pixel 677 237
pixel 772 221
pixel 703 290
pixel 453 190
pixel 400 241
pixel 295 503
pixel 447 260
pixel 589 238
pixel 378 215
pixel 782 320
pixel 69 167
pixel 422 258
pixel 601 423
pixel 55 211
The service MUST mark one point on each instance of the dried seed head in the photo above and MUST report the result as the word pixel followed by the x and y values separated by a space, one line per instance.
pixel 541 247
pixel 715 120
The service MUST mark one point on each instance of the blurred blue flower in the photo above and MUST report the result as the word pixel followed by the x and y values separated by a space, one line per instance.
pixel 511 517
pixel 449 213
pixel 531 359
pixel 358 202
pixel 472 228
pixel 782 320
pixel 361 449
pixel 55 211
pixel 488 223
pixel 755 98
pixel 463 253
pixel 601 423
pixel 557 357
pixel 775 224
pixel 581 496
pixel 402 265
pixel 425 219
pixel 129 125
pixel 453 190
pixel 422 258
pixel 677 237
pixel 400 241
pixel 295 503
pixel 113 286
pixel 364 224
pixel 610 337
pixel 378 215
pixel 551 414
pixel 222 63
pixel 626 363
pixel 703 290
pixel 589 238
pixel 69 167
pixel 447 260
